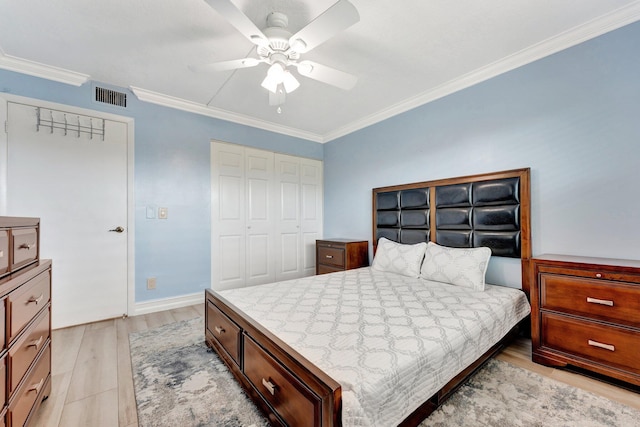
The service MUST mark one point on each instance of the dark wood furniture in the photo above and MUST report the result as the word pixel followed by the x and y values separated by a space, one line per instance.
pixel 293 391
pixel 25 313
pixel 586 313
pixel 341 254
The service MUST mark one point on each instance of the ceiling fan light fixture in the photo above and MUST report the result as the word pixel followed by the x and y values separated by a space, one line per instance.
pixel 289 82
pixel 270 84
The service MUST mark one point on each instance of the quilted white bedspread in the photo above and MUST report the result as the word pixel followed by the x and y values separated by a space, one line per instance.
pixel 390 341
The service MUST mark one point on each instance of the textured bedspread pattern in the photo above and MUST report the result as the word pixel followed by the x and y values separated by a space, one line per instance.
pixel 390 341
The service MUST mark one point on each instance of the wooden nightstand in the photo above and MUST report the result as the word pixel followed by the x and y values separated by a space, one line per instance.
pixel 585 312
pixel 341 254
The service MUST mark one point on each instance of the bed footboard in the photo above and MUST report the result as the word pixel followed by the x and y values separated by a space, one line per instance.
pixel 286 386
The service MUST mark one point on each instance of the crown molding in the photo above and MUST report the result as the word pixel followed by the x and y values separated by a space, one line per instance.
pixel 24 66
pixel 597 27
pixel 202 109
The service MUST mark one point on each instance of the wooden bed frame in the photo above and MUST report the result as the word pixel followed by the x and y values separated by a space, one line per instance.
pixel 288 388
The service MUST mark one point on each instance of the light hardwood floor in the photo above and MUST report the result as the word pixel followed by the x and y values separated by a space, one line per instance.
pixel 93 384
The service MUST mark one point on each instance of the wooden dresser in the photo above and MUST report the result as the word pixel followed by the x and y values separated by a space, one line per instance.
pixel 586 313
pixel 25 312
pixel 341 254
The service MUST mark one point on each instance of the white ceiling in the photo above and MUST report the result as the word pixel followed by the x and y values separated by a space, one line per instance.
pixel 404 53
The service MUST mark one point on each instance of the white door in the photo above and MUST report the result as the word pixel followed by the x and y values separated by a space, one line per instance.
pixel 288 238
pixel 311 196
pixel 259 217
pixel 77 185
pixel 228 230
pixel 266 214
pixel 298 216
pixel 242 216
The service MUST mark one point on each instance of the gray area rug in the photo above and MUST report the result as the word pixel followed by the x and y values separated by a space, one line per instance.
pixel 178 382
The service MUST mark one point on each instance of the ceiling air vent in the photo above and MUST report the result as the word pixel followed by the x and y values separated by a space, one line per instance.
pixel 111 97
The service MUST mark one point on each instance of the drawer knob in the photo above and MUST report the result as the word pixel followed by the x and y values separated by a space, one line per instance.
pixel 36 300
pixel 601 345
pixel 600 301
pixel 27 246
pixel 328 256
pixel 271 387
pixel 220 330
pixel 598 275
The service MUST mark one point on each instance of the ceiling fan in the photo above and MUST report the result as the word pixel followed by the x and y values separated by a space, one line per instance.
pixel 280 49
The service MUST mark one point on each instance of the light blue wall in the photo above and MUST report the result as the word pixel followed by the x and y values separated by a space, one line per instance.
pixel 172 169
pixel 573 118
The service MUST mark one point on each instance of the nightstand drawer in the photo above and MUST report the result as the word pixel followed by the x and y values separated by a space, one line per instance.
pixel 331 256
pixel 609 345
pixel 593 298
pixel 334 255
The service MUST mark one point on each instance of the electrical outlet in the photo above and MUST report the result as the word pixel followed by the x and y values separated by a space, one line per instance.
pixel 151 283
pixel 163 213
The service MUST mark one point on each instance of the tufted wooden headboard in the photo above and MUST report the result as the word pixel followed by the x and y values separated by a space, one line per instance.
pixel 491 210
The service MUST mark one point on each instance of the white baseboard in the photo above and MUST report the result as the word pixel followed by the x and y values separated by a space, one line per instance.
pixel 167 303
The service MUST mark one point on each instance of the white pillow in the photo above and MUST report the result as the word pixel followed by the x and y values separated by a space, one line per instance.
pixel 457 266
pixel 399 258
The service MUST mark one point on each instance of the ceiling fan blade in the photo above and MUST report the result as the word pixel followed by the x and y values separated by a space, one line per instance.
pixel 325 74
pixel 239 20
pixel 337 18
pixel 226 65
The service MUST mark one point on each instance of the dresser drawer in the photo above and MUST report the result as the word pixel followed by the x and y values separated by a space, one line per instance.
pixel 25 246
pixel 26 301
pixel 3 378
pixel 593 298
pixel 26 396
pixel 605 344
pixel 25 350
pixel 293 402
pixel 224 330
pixel 3 331
pixel 331 256
pixel 4 251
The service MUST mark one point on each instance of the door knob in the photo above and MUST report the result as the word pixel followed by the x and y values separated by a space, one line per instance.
pixel 118 229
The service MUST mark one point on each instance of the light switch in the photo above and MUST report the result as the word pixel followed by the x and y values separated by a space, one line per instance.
pixel 151 212
pixel 163 213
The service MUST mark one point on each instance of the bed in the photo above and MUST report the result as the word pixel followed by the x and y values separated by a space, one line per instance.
pixel 387 344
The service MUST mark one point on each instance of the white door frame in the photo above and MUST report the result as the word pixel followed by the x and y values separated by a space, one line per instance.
pixel 5 98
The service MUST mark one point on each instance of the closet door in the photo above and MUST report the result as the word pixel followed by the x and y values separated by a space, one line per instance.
pixel 299 215
pixel 259 263
pixel 228 234
pixel 311 196
pixel 266 214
